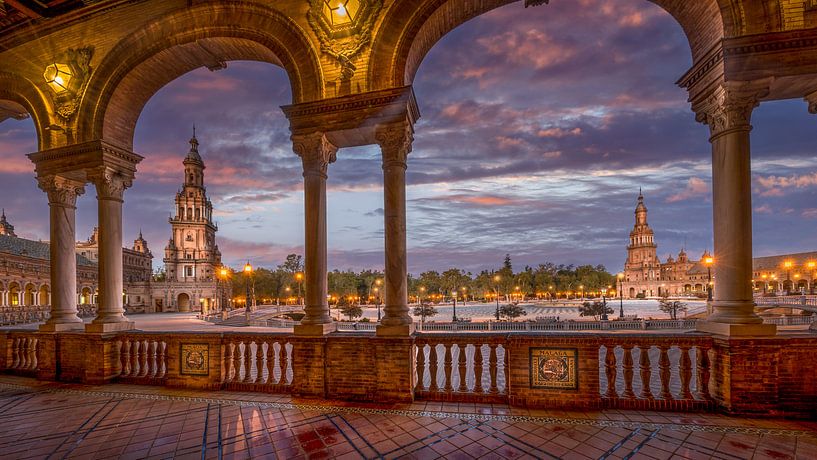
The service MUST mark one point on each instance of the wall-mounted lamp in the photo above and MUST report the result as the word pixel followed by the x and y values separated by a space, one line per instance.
pixel 67 78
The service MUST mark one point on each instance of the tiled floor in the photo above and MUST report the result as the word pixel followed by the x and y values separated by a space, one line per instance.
pixel 41 420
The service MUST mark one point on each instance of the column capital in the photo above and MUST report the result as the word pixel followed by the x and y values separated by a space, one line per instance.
pixel 61 191
pixel 812 102
pixel 316 152
pixel 395 140
pixel 730 105
pixel 110 182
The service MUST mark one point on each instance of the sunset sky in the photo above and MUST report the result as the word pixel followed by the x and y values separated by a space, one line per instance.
pixel 538 127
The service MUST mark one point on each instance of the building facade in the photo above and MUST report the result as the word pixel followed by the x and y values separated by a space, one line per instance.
pixel 645 275
pixel 192 258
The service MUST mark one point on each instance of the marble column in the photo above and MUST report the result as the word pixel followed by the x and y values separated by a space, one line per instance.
pixel 395 144
pixel 316 154
pixel 110 188
pixel 62 200
pixel 728 113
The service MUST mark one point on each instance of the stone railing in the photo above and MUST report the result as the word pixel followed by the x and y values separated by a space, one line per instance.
pixel 258 362
pixel 671 372
pixel 141 358
pixel 463 368
pixel 787 300
pixel 22 353
pixel 10 316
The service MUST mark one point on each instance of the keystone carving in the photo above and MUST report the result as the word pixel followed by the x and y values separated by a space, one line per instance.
pixel 316 152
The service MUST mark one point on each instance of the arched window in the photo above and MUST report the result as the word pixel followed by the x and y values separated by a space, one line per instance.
pixel 198 214
pixel 189 213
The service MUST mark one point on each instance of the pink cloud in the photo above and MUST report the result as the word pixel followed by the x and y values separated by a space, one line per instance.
pixel 775 185
pixel 765 209
pixel 695 187
pixel 810 213
pixel 559 133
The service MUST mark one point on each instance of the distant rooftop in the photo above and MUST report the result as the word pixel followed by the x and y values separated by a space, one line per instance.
pixel 33 249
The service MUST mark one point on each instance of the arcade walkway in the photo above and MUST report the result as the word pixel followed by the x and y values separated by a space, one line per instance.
pixel 46 420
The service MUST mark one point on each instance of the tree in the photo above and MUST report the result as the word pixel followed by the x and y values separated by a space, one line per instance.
pixel 352 311
pixel 425 311
pixel 511 311
pixel 595 309
pixel 673 307
pixel 293 264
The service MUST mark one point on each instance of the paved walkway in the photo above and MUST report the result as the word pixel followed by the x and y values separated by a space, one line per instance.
pixel 43 420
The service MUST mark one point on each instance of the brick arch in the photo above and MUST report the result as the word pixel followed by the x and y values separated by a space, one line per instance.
pixel 145 61
pixel 412 27
pixel 22 91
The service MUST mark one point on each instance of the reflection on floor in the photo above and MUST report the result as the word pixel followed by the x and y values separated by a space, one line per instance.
pixel 42 420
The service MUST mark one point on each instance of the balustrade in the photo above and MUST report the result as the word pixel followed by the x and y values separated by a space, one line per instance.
pixel 142 358
pixel 24 357
pixel 260 362
pixel 455 368
pixel 673 372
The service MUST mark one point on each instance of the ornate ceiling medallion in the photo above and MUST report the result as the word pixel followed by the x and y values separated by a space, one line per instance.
pixel 344 28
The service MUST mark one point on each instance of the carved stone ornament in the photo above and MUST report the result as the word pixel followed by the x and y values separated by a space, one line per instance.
pixel 110 183
pixel 316 152
pixel 343 39
pixel 395 142
pixel 61 191
pixel 730 106
pixel 79 62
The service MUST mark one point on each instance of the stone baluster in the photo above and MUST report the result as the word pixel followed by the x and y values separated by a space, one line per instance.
pixel 506 369
pixel 421 367
pixel 433 365
pixel 448 368
pixel 395 144
pixel 136 346
pixel 265 366
pixel 478 369
pixel 154 364
pixel 246 363
pixel 276 369
pixel 685 372
pixel 316 154
pixel 24 352
pixel 645 369
pixel 144 365
pixel 259 362
pixel 289 372
pixel 627 370
pixel 702 372
pixel 231 349
pixel 15 353
pixel 33 362
pixel 126 368
pixel 610 371
pixel 463 368
pixel 162 359
pixel 664 372
pixel 492 367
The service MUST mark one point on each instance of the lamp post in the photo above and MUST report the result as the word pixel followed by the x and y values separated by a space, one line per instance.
pixel 550 294
pixel 223 276
pixel 248 272
pixel 788 265
pixel 422 307
pixel 464 295
pixel 517 294
pixel 604 305
pixel 496 293
pixel 620 296
pixel 709 261
pixel 581 290
pixel 377 302
pixel 299 277
pixel 454 296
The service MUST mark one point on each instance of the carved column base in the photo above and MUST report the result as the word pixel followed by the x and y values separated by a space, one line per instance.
pixel 110 327
pixel 312 330
pixel 402 330
pixel 737 330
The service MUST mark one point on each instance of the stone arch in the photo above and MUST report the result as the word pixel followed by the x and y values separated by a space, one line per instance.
pixel 86 296
pixel 14 294
pixel 183 302
pixel 44 295
pixel 205 35
pixel 26 94
pixel 412 27
pixel 29 294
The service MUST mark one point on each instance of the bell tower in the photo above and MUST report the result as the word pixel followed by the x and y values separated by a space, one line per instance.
pixel 642 262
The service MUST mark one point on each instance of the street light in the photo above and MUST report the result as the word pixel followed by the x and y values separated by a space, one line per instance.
pixel 581 290
pixel 377 302
pixel 454 296
pixel 604 305
pixel 464 295
pixel 497 278
pixel 516 293
pixel 708 262
pixel 223 273
pixel 299 277
pixel 620 296
pixel 248 272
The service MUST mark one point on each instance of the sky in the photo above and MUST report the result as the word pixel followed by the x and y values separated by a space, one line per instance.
pixel 538 128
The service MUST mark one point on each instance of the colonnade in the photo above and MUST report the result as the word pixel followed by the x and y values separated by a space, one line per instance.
pixel 727 110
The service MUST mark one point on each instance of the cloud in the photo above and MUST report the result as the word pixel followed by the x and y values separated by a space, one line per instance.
pixel 696 187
